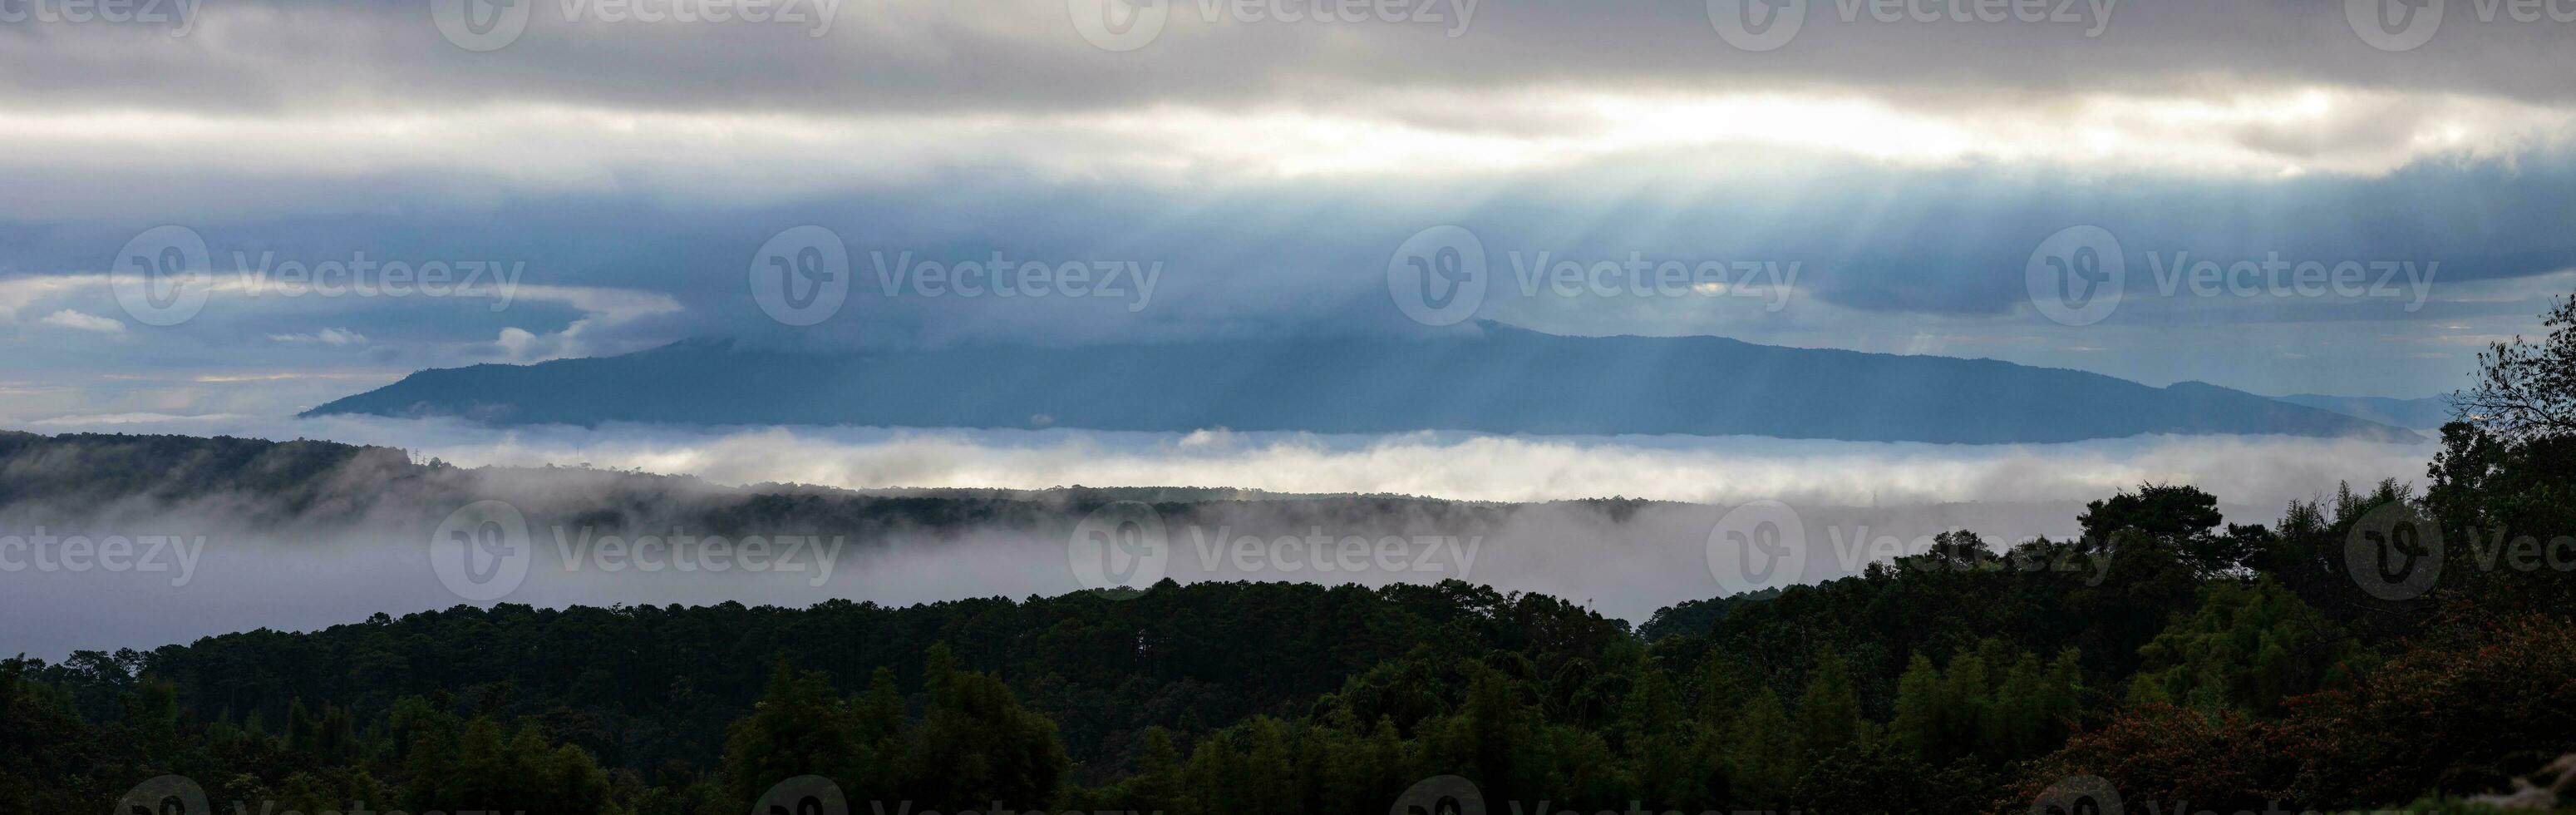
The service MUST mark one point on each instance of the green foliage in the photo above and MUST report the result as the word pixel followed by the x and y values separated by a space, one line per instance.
pixel 2248 647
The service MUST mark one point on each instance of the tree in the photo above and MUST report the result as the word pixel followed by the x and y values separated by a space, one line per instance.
pixel 977 745
pixel 1829 711
pixel 1764 754
pixel 2179 515
pixel 800 727
pixel 1919 710
pixel 2247 647
pixel 2527 390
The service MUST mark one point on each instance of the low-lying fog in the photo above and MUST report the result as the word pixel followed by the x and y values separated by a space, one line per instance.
pixel 1857 502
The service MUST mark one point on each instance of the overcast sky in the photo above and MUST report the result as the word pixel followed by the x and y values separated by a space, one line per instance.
pixel 1872 175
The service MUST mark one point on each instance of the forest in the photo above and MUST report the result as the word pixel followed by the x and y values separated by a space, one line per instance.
pixel 2389 646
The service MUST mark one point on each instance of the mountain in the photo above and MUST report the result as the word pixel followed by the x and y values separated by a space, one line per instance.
pixel 2426 413
pixel 1496 380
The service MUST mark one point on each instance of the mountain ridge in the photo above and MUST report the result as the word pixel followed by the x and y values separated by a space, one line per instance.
pixel 1498 379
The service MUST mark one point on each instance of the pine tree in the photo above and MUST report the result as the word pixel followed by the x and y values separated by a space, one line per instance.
pixel 1918 727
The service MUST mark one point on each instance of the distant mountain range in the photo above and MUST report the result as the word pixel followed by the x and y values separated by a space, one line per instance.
pixel 1498 380
pixel 2426 413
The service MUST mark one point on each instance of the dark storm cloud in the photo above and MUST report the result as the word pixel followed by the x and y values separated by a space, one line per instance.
pixel 1025 55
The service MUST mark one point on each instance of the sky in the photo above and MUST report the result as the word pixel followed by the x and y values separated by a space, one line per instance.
pixel 236 208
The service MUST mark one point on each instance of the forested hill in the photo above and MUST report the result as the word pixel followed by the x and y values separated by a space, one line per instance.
pixel 321 486
pixel 1956 681
pixel 1499 380
pixel 2222 664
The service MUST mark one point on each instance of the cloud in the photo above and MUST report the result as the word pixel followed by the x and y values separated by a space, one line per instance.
pixel 1024 55
pixel 68 318
pixel 1907 167
pixel 1632 560
pixel 2263 472
pixel 327 336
